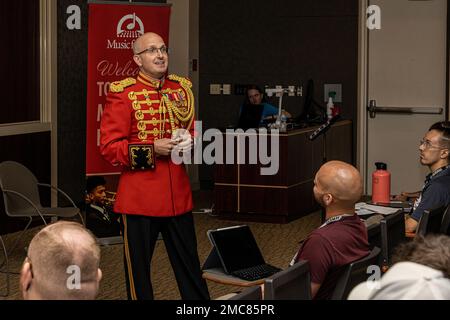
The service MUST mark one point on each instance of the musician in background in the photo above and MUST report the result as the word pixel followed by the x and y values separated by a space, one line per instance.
pixel 99 216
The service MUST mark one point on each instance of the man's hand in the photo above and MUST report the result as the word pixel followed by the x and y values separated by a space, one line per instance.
pixel 163 147
pixel 184 140
pixel 410 225
pixel 404 196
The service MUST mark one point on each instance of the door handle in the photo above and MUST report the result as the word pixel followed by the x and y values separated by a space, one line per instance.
pixel 373 109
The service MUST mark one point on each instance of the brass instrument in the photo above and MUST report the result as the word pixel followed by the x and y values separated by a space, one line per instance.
pixel 110 198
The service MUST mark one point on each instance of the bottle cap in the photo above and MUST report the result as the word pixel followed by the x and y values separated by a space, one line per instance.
pixel 381 165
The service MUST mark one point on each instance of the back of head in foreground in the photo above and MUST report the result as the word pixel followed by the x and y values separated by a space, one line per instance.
pixel 338 186
pixel 421 271
pixel 62 264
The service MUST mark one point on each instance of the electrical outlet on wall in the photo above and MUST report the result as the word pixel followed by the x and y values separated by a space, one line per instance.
pixel 278 87
pixel 226 88
pixel 291 90
pixel 330 87
pixel 214 88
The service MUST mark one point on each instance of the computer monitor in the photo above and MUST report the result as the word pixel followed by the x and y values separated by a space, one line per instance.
pixel 250 116
pixel 312 111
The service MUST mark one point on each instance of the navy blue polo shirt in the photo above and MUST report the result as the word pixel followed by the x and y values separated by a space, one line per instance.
pixel 435 192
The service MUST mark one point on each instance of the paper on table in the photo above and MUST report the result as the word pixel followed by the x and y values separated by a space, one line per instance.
pixel 363 212
pixel 376 209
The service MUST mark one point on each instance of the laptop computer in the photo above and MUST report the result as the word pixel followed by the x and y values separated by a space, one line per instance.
pixel 238 253
pixel 250 116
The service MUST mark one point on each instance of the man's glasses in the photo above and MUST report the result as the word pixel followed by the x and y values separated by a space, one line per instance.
pixel 155 50
pixel 427 144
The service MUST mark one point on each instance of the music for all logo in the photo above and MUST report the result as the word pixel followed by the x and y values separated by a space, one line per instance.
pixel 129 28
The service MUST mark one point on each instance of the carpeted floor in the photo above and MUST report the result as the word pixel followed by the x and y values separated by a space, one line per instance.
pixel 278 243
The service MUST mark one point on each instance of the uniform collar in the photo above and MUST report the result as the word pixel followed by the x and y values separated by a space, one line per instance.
pixel 158 84
pixel 98 208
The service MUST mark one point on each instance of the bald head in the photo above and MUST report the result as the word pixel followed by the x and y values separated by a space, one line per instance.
pixel 341 180
pixel 63 259
pixel 145 41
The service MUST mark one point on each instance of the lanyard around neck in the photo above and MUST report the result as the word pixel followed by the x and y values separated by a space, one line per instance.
pixel 335 219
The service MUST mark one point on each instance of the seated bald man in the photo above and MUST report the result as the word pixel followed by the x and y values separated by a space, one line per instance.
pixel 62 264
pixel 342 239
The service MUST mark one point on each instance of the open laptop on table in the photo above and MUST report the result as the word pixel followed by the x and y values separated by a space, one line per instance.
pixel 238 253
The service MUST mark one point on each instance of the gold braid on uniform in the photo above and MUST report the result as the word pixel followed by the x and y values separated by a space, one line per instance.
pixel 183 114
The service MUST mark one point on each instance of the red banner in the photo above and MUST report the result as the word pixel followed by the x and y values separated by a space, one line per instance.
pixel 113 28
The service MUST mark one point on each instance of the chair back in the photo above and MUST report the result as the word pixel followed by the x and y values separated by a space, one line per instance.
pixel 16 177
pixel 392 234
pixel 354 274
pixel 374 235
pixel 293 283
pixel 251 293
pixel 431 221
pixel 445 226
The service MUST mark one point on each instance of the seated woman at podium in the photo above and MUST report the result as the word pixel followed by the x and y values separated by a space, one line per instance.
pixel 255 96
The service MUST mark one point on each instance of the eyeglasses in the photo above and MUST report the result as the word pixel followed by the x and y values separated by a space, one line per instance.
pixel 154 50
pixel 428 145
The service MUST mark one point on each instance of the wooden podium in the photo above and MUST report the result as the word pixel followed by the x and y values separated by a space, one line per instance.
pixel 242 193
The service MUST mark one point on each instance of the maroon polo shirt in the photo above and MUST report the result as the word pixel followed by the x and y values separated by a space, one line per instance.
pixel 331 247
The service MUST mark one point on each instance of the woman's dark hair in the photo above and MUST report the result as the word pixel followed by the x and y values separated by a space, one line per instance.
pixel 254 87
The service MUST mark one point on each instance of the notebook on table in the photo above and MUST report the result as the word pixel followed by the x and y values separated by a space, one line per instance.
pixel 238 253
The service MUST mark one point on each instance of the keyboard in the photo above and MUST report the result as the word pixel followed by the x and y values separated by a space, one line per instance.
pixel 256 272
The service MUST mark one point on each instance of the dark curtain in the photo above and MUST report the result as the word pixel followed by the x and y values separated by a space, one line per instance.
pixel 19 61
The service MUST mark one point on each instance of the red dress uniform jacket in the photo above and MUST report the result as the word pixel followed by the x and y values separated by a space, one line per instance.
pixel 138 112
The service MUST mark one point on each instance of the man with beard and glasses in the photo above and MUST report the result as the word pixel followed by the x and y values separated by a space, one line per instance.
pixel 342 238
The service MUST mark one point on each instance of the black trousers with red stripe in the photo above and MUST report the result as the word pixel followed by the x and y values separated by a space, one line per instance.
pixel 140 235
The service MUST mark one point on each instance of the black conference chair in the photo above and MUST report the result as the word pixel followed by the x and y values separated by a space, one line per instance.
pixel 251 293
pixel 431 221
pixel 293 283
pixel 20 189
pixel 374 235
pixel 354 274
pixel 392 234
pixel 445 226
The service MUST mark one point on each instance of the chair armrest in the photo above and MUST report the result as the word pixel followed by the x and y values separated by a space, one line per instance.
pixel 27 200
pixel 65 194
pixel 59 190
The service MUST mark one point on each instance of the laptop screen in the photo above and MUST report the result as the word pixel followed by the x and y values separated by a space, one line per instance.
pixel 236 248
pixel 250 116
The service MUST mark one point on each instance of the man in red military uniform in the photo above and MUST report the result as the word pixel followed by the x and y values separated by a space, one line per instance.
pixel 144 121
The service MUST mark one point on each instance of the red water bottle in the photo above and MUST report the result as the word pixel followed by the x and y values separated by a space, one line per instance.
pixel 381 184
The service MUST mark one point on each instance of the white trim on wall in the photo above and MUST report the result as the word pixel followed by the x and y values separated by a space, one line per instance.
pixel 12 129
pixel 361 151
